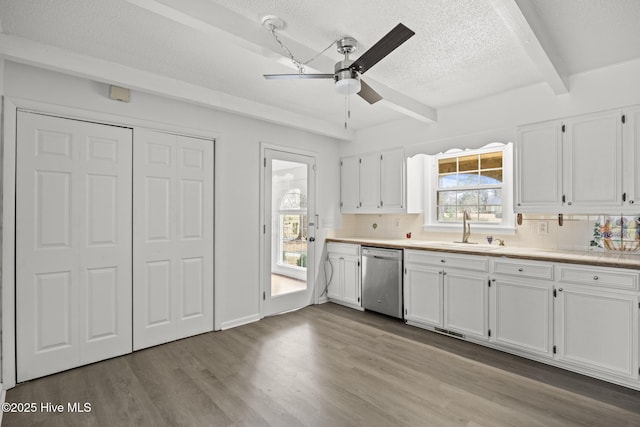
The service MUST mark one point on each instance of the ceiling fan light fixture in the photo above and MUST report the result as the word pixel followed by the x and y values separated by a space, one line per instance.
pixel 348 86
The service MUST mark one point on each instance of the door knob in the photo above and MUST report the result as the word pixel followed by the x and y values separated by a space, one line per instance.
pixel 312 239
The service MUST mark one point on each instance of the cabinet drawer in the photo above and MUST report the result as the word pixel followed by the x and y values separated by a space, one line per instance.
pixel 447 260
pixel 534 270
pixel 605 277
pixel 343 249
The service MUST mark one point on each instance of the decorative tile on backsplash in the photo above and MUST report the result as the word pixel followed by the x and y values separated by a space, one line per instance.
pixel 616 233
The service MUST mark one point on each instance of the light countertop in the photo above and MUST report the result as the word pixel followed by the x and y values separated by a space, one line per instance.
pixel 602 259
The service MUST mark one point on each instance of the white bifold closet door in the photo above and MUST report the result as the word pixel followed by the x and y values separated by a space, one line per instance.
pixel 73 243
pixel 173 237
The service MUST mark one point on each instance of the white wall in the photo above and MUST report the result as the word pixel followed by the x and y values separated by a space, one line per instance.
pixel 495 118
pixel 476 123
pixel 237 170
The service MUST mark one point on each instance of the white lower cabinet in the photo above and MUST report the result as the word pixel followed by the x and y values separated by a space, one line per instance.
pixel 423 295
pixel 522 306
pixel 345 281
pixel 577 317
pixel 466 307
pixel 522 315
pixel 452 299
pixel 598 330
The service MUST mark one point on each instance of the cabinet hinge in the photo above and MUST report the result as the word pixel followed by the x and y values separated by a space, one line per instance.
pixel 360 161
pixel 405 312
pixel 340 163
pixel 264 228
pixel 264 295
pixel 358 263
pixel 380 156
pixel 405 270
pixel 381 203
pixel 624 118
pixel 489 333
pixel 314 167
pixel 341 204
pixel 358 299
pixel 555 293
pixel 265 162
pixel 563 128
pixel 489 282
pixel 554 349
pixel 564 198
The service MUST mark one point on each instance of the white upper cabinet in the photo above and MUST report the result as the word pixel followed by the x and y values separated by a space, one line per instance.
pixel 631 150
pixel 539 167
pixel 349 184
pixel 392 179
pixel 576 165
pixel 593 176
pixel 374 182
pixel 370 181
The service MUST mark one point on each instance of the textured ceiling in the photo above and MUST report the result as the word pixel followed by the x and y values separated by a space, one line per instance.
pixel 462 50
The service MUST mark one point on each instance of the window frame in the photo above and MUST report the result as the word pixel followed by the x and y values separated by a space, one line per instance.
pixel 431 223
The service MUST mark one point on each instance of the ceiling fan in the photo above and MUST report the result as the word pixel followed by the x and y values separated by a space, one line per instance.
pixel 347 72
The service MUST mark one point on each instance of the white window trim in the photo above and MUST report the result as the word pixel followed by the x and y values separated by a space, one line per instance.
pixel 431 185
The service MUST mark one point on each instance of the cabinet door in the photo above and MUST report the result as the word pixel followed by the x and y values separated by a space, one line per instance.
pixel 466 304
pixel 539 167
pixel 423 295
pixel 522 315
pixel 351 280
pixel 631 151
pixel 593 168
pixel 598 330
pixel 392 178
pixel 349 184
pixel 334 289
pixel 370 182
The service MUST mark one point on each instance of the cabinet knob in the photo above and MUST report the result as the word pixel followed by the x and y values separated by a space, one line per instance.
pixel 569 203
pixel 631 202
pixel 520 269
pixel 595 277
pixel 560 289
pixel 442 260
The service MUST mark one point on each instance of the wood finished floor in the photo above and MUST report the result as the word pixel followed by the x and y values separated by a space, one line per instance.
pixel 325 366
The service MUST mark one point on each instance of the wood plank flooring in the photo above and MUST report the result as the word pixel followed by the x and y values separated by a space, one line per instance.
pixel 325 366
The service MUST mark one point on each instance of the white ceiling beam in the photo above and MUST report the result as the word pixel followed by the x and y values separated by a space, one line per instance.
pixel 226 25
pixel 49 57
pixel 525 23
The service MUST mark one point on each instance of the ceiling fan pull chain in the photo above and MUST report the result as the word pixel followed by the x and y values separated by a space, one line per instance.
pixel 346 116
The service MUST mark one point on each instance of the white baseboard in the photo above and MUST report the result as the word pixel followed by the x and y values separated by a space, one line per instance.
pixel 239 322
pixel 3 396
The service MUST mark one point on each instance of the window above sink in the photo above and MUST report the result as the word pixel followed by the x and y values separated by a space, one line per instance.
pixel 480 181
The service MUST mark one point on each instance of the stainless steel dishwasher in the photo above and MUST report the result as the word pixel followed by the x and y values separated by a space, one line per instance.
pixel 382 280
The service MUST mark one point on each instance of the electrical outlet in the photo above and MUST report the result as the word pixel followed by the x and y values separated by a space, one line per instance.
pixel 396 222
pixel 543 227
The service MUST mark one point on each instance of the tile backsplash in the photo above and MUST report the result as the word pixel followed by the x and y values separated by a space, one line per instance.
pixel 604 232
pixel 616 233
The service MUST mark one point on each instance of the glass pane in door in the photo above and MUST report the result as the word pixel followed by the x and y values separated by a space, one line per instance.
pixel 289 227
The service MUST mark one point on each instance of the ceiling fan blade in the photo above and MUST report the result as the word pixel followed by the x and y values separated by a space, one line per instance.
pixel 368 94
pixel 297 76
pixel 382 48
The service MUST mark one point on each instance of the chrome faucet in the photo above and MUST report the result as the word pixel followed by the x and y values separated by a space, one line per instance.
pixel 466 227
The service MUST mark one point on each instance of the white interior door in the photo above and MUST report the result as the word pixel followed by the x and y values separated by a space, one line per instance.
pixel 73 243
pixel 289 231
pixel 173 237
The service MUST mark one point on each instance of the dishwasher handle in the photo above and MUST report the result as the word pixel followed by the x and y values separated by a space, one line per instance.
pixel 392 254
